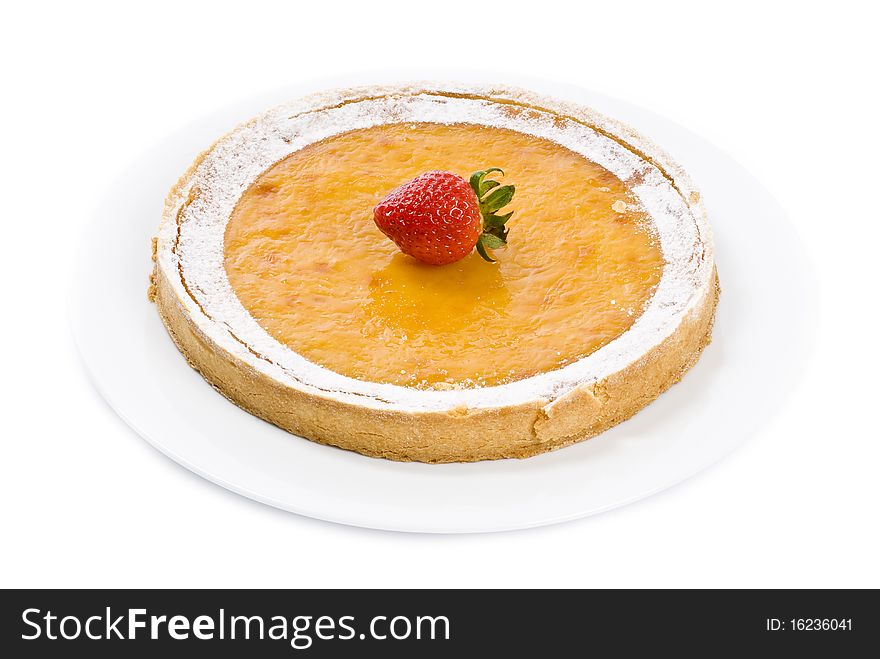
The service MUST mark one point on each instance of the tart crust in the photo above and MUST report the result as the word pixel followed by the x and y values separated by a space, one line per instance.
pixel 531 416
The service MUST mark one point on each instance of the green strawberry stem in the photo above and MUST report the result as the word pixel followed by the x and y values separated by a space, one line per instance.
pixel 492 197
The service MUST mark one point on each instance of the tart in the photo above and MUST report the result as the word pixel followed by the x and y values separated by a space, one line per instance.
pixel 276 285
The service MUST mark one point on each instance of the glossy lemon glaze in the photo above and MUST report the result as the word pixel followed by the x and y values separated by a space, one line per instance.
pixel 306 260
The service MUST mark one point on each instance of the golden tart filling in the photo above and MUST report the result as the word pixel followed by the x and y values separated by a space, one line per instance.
pixel 307 262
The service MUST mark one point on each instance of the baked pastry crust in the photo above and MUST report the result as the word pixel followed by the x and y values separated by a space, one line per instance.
pixel 532 416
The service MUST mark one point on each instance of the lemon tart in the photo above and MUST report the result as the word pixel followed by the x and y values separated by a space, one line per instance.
pixel 275 283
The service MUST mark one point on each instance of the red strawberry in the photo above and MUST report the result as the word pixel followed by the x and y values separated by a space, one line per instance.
pixel 439 217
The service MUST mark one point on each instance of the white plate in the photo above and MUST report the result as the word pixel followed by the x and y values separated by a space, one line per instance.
pixel 760 341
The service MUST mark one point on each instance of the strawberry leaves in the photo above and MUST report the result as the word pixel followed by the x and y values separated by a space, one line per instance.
pixel 492 197
pixel 497 199
pixel 479 185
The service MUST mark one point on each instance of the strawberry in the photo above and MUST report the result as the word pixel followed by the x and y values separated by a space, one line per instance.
pixel 438 217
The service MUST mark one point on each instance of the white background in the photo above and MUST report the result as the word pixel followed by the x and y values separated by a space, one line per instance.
pixel 790 90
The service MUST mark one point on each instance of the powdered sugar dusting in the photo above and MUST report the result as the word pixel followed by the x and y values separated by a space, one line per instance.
pixel 191 238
